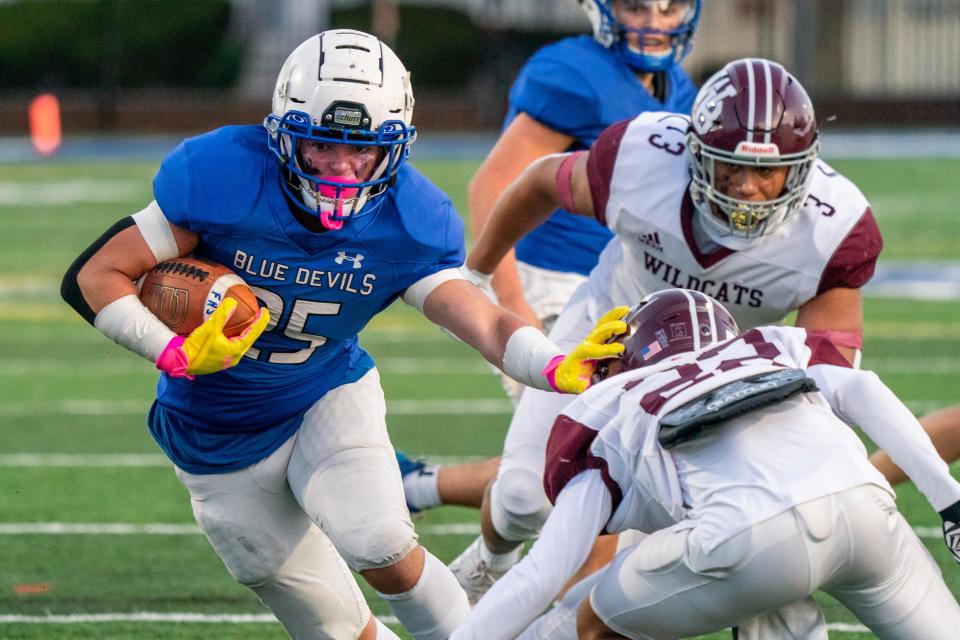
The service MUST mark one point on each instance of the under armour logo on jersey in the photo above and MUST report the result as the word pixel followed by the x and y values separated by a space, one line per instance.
pixel 343 257
pixel 652 240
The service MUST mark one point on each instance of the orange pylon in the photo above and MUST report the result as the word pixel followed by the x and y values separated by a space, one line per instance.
pixel 45 131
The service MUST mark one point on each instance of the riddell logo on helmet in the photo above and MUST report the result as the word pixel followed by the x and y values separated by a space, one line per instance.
pixel 757 149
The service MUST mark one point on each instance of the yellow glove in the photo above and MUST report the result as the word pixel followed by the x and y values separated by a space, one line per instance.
pixel 571 373
pixel 206 349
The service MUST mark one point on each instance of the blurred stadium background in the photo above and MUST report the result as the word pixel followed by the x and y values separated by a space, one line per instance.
pixel 97 536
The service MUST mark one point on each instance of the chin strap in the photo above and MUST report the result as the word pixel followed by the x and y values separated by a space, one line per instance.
pixel 333 219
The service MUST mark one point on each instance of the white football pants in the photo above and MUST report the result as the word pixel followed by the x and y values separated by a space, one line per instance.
pixel 854 545
pixel 329 500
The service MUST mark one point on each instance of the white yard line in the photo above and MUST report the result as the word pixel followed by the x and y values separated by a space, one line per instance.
pixel 151 616
pixel 136 460
pixel 167 529
pixel 420 367
pixel 478 406
pixel 28 194
pixel 15 367
pixel 233 618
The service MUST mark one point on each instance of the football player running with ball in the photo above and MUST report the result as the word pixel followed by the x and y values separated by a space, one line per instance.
pixel 280 434
pixel 734 452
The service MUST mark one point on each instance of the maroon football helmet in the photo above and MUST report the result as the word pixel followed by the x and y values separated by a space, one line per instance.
pixel 751 112
pixel 666 323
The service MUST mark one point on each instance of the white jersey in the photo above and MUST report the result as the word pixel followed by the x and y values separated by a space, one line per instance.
pixel 639 177
pixel 750 469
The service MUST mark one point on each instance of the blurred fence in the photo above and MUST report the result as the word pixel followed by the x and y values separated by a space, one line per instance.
pixel 870 62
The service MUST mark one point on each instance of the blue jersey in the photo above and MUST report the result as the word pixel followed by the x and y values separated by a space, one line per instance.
pixel 321 289
pixel 578 87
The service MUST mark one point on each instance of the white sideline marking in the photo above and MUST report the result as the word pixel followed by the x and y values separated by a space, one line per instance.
pixel 235 618
pixel 165 529
pixel 484 406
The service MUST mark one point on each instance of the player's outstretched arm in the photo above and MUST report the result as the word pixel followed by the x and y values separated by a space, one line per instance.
pixel 862 399
pixel 509 342
pixel 554 181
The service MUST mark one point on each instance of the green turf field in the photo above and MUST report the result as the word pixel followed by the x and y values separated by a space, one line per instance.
pixel 93 522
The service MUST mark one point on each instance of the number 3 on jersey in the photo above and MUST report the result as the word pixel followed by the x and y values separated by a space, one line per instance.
pixel 301 311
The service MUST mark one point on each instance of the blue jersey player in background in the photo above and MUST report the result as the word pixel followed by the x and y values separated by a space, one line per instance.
pixel 565 95
pixel 280 434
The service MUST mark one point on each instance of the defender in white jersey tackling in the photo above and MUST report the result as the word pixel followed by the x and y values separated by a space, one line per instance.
pixel 732 201
pixel 734 452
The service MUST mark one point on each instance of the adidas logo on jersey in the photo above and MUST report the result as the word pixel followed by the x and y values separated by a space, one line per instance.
pixel 343 257
pixel 652 240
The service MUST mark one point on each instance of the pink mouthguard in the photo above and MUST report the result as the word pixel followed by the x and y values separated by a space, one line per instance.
pixel 330 191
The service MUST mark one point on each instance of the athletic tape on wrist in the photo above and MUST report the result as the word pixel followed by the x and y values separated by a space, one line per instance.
pixel 130 324
pixel 527 354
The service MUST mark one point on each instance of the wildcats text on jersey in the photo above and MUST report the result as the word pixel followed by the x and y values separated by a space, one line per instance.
pixel 726 292
pixel 322 279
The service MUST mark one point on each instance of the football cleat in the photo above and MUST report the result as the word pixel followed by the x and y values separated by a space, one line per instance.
pixel 476 571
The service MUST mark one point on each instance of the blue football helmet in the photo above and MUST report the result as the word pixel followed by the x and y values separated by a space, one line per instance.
pixel 610 32
pixel 341 87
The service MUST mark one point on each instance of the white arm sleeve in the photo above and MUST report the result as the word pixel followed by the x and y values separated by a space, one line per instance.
pixel 861 398
pixel 416 294
pixel 515 601
pixel 130 324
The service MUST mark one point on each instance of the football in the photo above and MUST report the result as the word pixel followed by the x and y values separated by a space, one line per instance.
pixel 185 291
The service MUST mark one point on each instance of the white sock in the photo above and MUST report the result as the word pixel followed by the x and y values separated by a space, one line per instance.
pixel 435 606
pixel 500 562
pixel 421 488
pixel 384 633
